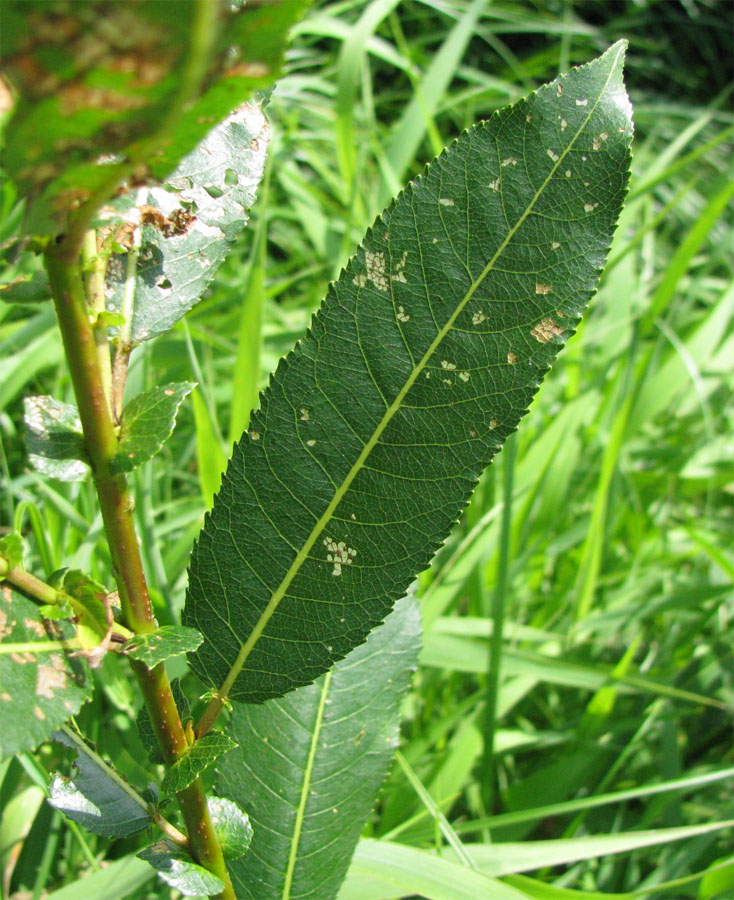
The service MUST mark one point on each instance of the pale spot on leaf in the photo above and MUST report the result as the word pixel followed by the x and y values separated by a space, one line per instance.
pixel 590 207
pixel 545 330
pixel 564 124
pixel 339 554
pixel 402 316
pixel 449 366
pixel 543 288
pixel 582 103
pixel 495 185
pixel 512 357
pixel 399 273
pixel 305 415
pixel 376 272
pixel 510 161
pixel 478 318
pixel 445 201
pixel 465 376
pixel 50 678
pixel 254 435
pixel 553 156
pixel 555 245
pixel 311 443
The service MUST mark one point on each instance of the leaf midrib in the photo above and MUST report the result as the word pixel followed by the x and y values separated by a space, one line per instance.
pixel 305 789
pixel 393 408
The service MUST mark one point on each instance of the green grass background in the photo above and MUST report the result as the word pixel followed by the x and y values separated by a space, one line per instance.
pixel 579 619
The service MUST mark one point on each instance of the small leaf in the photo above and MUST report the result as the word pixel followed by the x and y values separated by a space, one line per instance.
pixel 310 764
pixel 191 222
pixel 147 422
pixel 204 753
pixel 231 825
pixel 54 438
pixel 179 870
pixel 422 360
pixel 11 549
pixel 145 726
pixel 94 800
pixel 162 644
pixel 89 607
pixel 39 692
pixel 29 287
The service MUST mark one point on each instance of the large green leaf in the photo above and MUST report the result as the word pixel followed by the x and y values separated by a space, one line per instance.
pixel 141 83
pixel 422 360
pixel 41 685
pixel 310 764
pixel 191 222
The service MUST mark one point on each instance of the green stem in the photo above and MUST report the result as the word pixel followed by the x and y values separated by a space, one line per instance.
pixel 116 506
pixel 94 266
pixel 498 620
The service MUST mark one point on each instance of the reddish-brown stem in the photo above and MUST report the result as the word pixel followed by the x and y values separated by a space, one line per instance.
pixel 77 329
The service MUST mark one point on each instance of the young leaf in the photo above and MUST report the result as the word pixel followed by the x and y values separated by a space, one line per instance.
pixel 231 825
pixel 204 753
pixel 191 222
pixel 55 439
pixel 179 871
pixel 310 764
pixel 148 421
pixel 39 691
pixel 95 800
pixel 88 602
pixel 163 643
pixel 115 80
pixel 422 360
pixel 11 549
pixel 145 726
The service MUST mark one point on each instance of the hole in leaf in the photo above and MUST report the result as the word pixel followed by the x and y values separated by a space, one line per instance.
pixel 213 191
pixel 230 178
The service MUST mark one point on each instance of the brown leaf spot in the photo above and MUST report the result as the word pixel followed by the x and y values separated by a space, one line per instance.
pixel 35 627
pixel 50 678
pixel 512 357
pixel 545 330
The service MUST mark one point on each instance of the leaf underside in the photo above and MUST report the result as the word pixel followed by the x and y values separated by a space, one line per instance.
pixel 192 222
pixel 55 439
pixel 423 358
pixel 38 691
pixel 92 798
pixel 310 764
pixel 180 871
